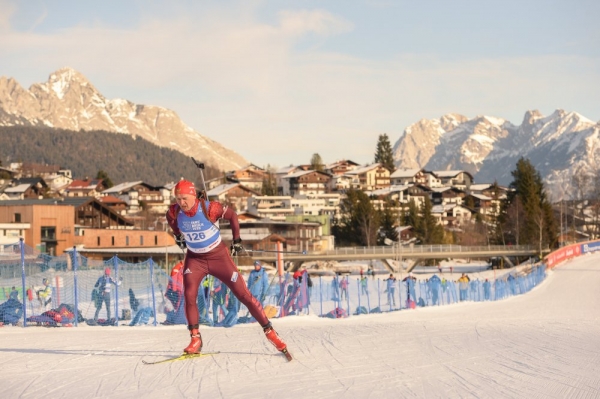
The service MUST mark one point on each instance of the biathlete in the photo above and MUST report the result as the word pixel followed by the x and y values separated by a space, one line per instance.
pixel 195 225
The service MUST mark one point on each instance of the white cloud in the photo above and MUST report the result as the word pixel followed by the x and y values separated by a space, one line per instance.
pixel 7 9
pixel 315 21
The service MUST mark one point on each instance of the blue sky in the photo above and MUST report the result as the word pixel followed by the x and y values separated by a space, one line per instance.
pixel 277 81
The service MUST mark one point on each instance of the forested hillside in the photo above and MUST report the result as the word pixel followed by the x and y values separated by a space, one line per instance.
pixel 85 153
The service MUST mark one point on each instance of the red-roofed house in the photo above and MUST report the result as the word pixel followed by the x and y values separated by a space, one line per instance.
pixel 85 188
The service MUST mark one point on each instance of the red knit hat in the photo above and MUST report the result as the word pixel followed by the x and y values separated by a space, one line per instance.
pixel 107 271
pixel 185 187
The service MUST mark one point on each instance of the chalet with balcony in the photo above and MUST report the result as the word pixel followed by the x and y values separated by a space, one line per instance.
pixel 281 174
pixel 233 194
pixel 454 178
pixel 85 188
pixel 250 176
pixel 139 195
pixel 370 177
pixel 25 188
pixel 447 196
pixel 339 168
pixel 116 204
pixel 451 216
pixel 58 182
pixel 415 176
pixel 270 207
pixel 307 182
pixel 482 204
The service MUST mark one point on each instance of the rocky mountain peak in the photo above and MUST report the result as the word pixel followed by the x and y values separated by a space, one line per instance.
pixel 489 147
pixel 69 101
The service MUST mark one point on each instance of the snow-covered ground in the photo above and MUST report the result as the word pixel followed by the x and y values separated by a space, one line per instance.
pixel 544 344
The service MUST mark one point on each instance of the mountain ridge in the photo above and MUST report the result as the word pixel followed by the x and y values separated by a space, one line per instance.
pixel 67 100
pixel 558 146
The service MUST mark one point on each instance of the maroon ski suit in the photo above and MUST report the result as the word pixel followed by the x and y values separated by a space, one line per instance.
pixel 217 262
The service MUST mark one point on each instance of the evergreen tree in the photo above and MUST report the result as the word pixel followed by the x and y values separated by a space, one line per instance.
pixel 528 211
pixel 104 176
pixel 411 216
pixel 388 218
pixel 359 221
pixel 383 153
pixel 429 231
pixel 269 186
pixel 316 162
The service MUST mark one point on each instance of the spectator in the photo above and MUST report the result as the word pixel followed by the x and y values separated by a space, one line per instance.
pixel 411 295
pixel 102 295
pixel 45 295
pixel 14 294
pixel 258 282
pixel 463 286
pixel 363 285
pixel 134 302
pixel 309 284
pixel 434 286
pixel 486 289
pixel 391 289
pixel 219 295
pixel 335 286
pixel 344 288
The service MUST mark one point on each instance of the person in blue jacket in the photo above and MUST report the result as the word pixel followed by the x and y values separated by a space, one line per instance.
pixel 391 289
pixel 219 296
pixel 258 282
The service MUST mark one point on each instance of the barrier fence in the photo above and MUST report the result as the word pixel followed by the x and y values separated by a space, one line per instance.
pixel 68 290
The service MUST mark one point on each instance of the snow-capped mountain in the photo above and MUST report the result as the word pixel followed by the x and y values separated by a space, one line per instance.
pixel 489 148
pixel 69 101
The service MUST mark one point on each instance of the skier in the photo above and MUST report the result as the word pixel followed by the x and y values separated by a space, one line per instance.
pixel 194 224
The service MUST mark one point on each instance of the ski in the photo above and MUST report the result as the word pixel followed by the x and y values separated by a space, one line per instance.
pixel 184 356
pixel 287 355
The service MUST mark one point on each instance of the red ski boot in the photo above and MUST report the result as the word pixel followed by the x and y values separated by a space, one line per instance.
pixel 195 345
pixel 274 338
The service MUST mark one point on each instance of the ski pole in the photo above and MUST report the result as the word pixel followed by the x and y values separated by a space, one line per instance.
pixel 200 166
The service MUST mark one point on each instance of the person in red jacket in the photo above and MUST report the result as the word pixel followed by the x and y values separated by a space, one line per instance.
pixel 195 225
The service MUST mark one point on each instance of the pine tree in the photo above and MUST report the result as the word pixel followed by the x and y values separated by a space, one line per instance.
pixel 429 231
pixel 359 221
pixel 388 218
pixel 528 211
pixel 104 176
pixel 269 186
pixel 383 153
pixel 316 162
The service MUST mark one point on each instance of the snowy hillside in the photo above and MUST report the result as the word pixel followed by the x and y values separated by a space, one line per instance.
pixel 542 344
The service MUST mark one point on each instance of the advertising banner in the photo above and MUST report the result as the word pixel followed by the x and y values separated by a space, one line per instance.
pixel 590 247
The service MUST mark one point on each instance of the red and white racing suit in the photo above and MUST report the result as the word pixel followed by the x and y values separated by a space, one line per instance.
pixel 206 254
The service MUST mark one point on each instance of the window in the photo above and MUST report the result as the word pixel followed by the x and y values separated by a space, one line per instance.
pixel 48 233
pixel 17 218
pixel 141 240
pixel 112 240
pixel 155 240
pixel 98 241
pixel 127 240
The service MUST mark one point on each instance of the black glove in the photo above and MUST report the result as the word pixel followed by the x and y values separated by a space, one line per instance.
pixel 180 241
pixel 236 247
